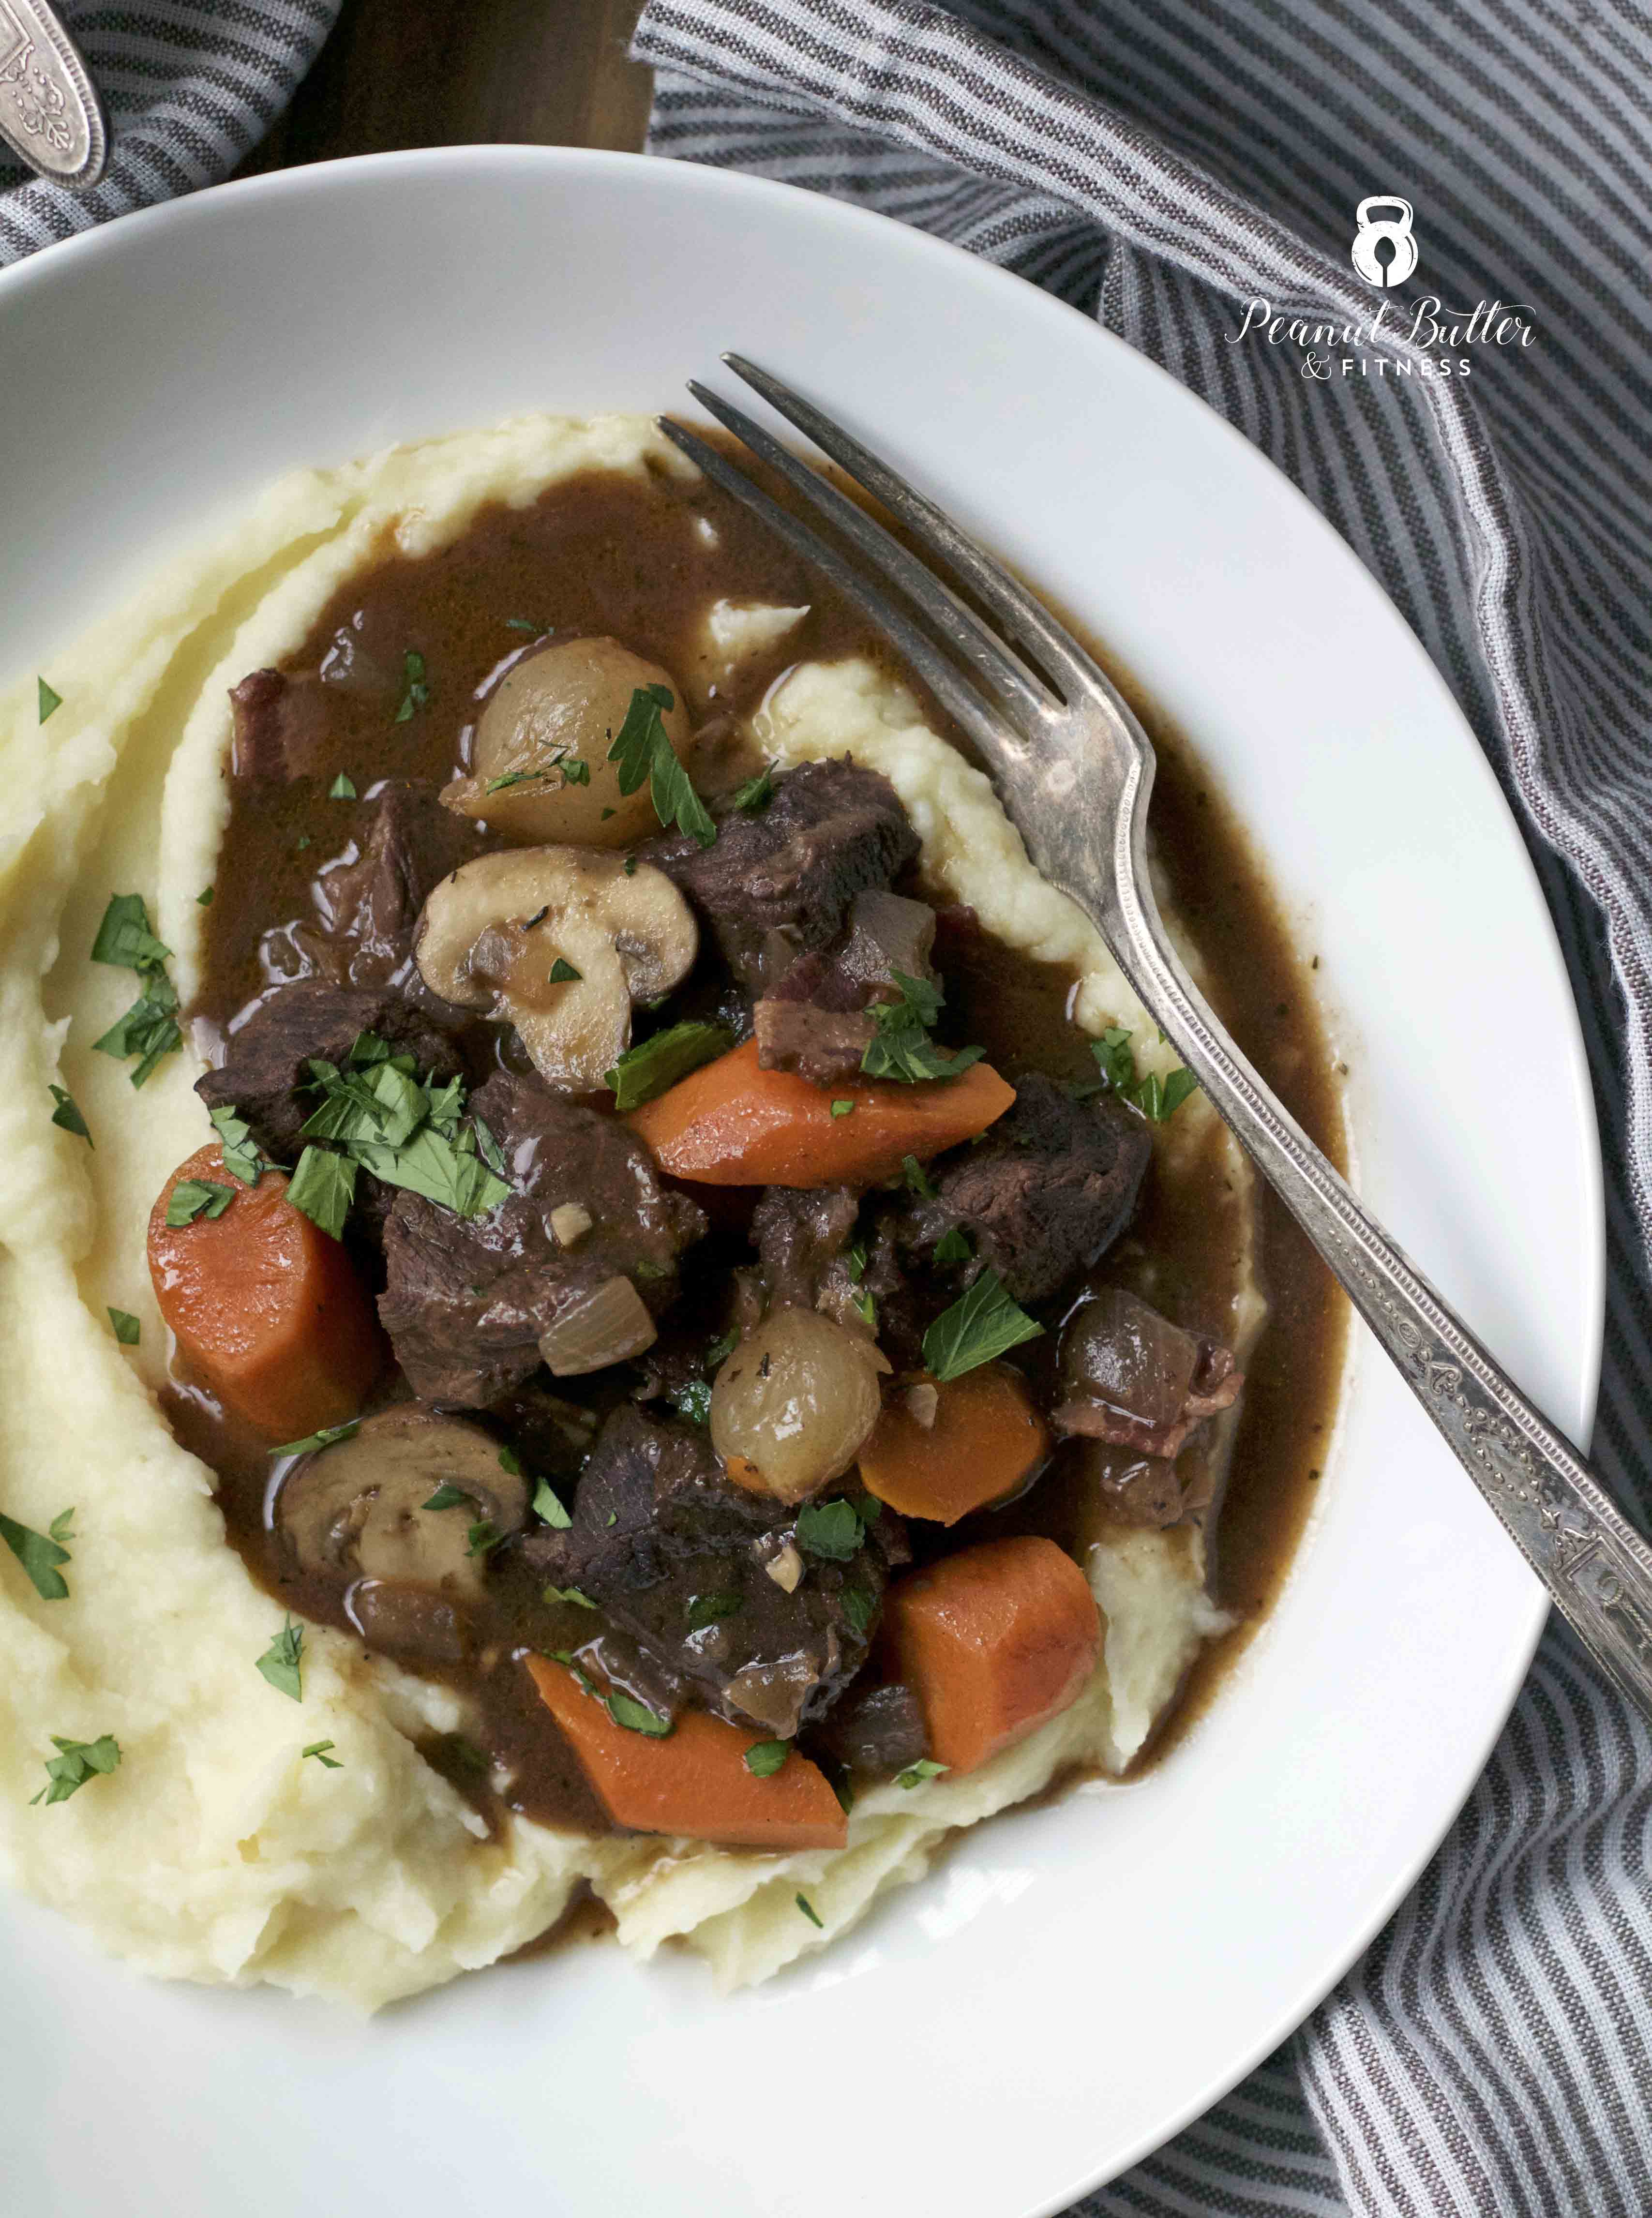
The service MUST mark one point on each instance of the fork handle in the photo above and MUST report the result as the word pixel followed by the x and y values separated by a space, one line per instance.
pixel 1592 1561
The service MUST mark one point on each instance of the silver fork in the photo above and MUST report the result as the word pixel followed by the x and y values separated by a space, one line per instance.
pixel 1074 771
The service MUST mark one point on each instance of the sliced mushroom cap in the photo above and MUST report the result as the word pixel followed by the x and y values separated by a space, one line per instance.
pixel 357 1509
pixel 557 711
pixel 503 933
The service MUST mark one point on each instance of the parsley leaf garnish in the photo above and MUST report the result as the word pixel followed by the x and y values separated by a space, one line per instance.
pixel 282 1662
pixel 692 1400
pixel 325 1439
pixel 901 1047
pixel 983 1322
pixel 953 1245
pixel 831 1529
pixel 417 692
pixel 765 1757
pixel 569 1594
pixel 48 701
pixel 916 1774
pixel 193 1198
pixel 808 1911
pixel 721 1349
pixel 241 1158
pixel 447 1497
pixel 843 1108
pixel 704 1609
pixel 149 1028
pixel 77 1761
pixel 67 1118
pixel 323 1187
pixel 482 1539
pixel 548 1504
pixel 342 789
pixel 526 624
pixel 319 1749
pixel 564 974
pixel 205 900
pixel 575 772
pixel 40 1554
pixel 754 796
pixel 649 1069
pixel 918 1182
pixel 126 1328
pixel 1158 1099
pixel 510 1462
pixel 859 1608
pixel 637 1717
pixel 644 753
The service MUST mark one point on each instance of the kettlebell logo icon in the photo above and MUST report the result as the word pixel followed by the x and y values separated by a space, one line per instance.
pixel 1384 252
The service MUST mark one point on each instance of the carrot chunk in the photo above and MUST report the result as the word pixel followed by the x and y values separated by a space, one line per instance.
pixel 266 1309
pixel 694 1780
pixel 985 1438
pixel 993 1641
pixel 732 1124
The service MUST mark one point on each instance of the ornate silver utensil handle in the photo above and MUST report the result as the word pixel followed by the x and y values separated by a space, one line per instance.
pixel 50 113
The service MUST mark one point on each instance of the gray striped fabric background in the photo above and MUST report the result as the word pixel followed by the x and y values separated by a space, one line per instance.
pixel 1492 2053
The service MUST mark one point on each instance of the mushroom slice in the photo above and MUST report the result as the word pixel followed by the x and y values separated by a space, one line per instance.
pixel 359 1509
pixel 539 766
pixel 562 941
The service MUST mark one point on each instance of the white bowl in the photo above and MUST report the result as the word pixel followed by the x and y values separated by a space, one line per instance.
pixel 1072 1983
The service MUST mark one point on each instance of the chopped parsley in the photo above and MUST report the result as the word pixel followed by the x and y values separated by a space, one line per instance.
pixel 67 1118
pixel 916 1774
pixel 319 1749
pixel 323 1187
pixel 644 1071
pixel 510 1462
pixel 808 1911
pixel 645 754
pixel 126 1328
pixel 241 1158
pixel 417 692
pixel 447 1497
pixel 901 1047
pixel 754 796
pixel 953 1245
pixel 721 1349
pixel 149 1029
pixel 193 1197
pixel 526 624
pixel 342 789
pixel 510 777
pixel 692 1400
pixel 41 1553
pixel 704 1609
pixel 843 1108
pixel 548 1504
pixel 917 1183
pixel 282 1662
pixel 575 772
pixel 49 702
pixel 859 1608
pixel 569 1594
pixel 1158 1099
pixel 983 1322
pixel 831 1529
pixel 765 1757
pixel 76 1762
pixel 204 900
pixel 483 1537
pixel 400 1130
pixel 326 1438
pixel 637 1717
pixel 564 974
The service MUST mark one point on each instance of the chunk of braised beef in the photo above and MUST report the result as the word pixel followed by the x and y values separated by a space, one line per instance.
pixel 876 1729
pixel 1044 1194
pixel 369 900
pixel 1131 1379
pixel 676 1556
pixel 799 1232
pixel 264 1073
pixel 813 1019
pixel 467 1300
pixel 1132 1490
pixel 280 728
pixel 811 1254
pixel 775 885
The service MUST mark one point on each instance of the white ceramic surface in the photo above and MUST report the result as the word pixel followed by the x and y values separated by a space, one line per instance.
pixel 1071 1985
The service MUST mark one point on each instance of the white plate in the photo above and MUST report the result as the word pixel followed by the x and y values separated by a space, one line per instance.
pixel 1071 1985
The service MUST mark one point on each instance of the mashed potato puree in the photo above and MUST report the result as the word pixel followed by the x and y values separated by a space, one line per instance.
pixel 215 1852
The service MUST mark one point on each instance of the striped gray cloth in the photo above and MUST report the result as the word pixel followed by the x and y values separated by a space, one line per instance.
pixel 188 91
pixel 1160 167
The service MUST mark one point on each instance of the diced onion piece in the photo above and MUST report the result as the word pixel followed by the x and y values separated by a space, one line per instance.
pixel 793 1402
pixel 570 1221
pixel 607 1325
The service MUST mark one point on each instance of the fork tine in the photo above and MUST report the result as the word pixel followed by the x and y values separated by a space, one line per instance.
pixel 991 732
pixel 1024 619
pixel 985 652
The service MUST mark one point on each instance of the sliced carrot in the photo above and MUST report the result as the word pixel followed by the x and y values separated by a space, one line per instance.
pixel 694 1780
pixel 986 1437
pixel 993 1641
pixel 732 1124
pixel 264 1307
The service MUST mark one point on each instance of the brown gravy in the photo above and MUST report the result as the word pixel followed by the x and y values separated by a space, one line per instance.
pixel 607 554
